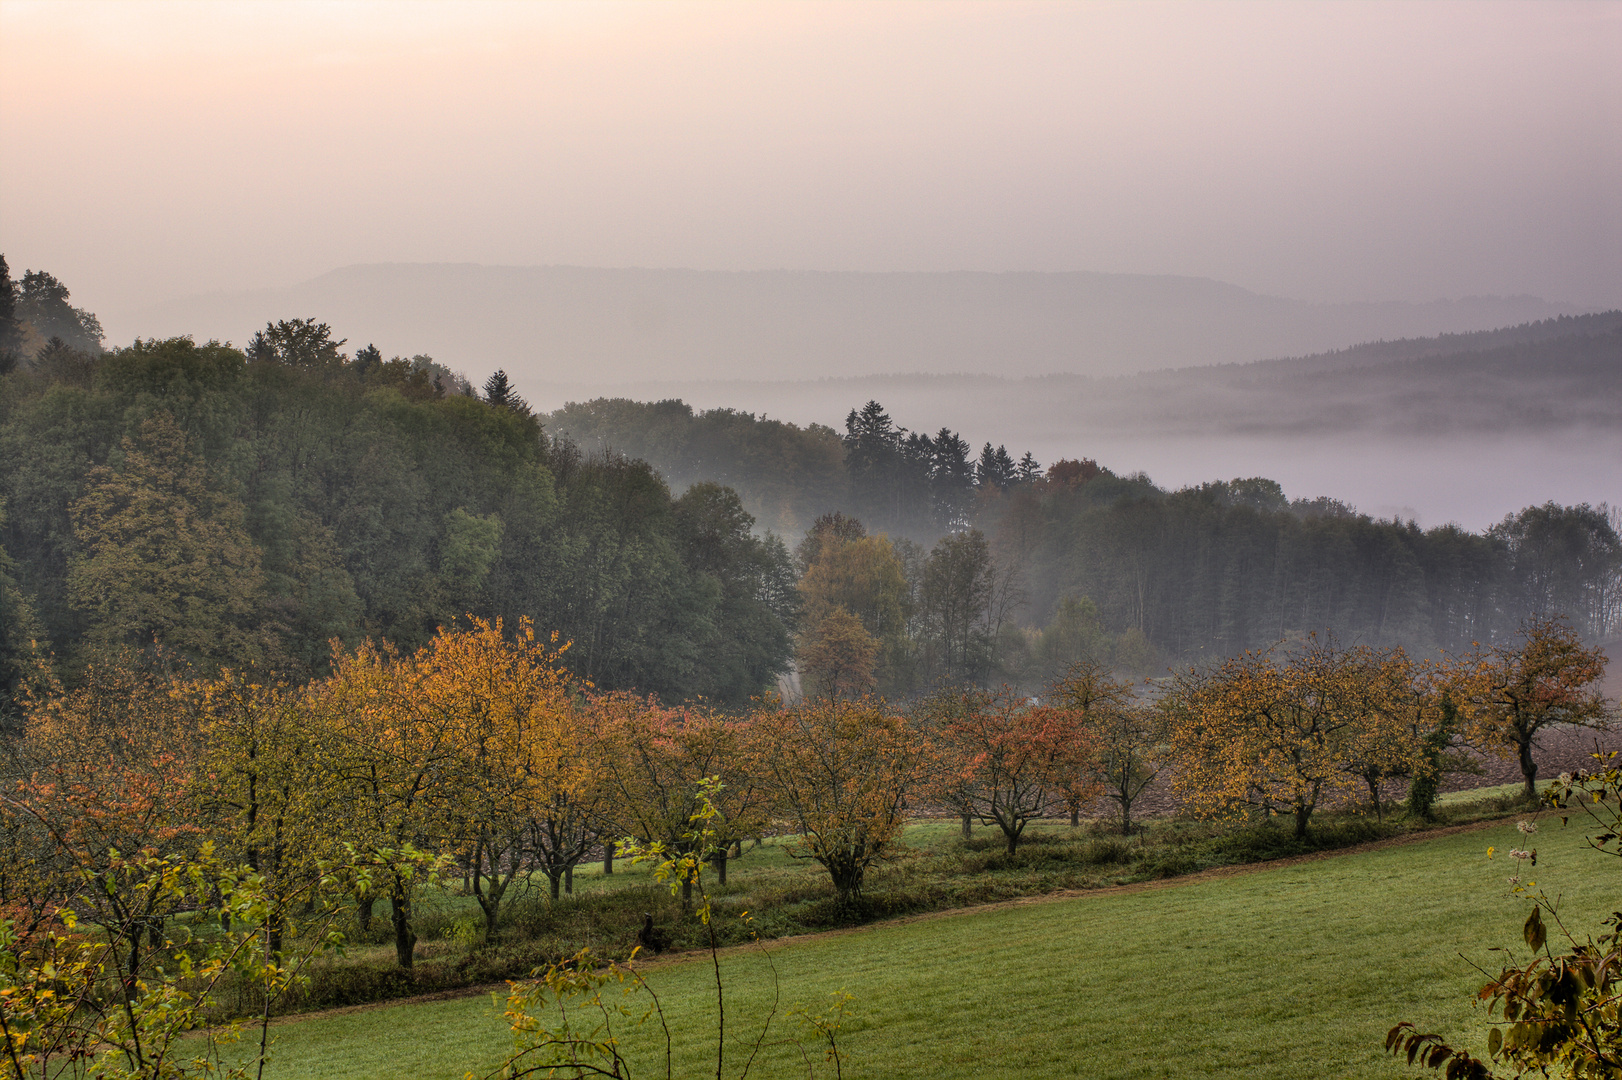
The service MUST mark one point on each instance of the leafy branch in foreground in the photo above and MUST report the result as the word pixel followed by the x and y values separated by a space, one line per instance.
pixel 1559 1012
pixel 71 1004
pixel 583 1037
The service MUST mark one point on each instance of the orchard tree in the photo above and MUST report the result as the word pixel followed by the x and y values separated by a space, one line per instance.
pixel 1273 732
pixel 390 760
pixel 1130 736
pixel 1007 761
pixel 663 764
pixel 106 777
pixel 839 773
pixel 259 792
pixel 524 782
pixel 1511 692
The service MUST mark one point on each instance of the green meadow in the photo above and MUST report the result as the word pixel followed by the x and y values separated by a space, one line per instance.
pixel 1286 971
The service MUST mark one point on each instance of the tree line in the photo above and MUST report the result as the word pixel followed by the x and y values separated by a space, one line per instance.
pixel 1206 571
pixel 250 506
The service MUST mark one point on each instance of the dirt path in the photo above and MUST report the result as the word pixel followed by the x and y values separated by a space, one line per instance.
pixel 1214 874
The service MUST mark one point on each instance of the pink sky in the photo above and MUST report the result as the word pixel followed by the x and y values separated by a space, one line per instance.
pixel 1320 151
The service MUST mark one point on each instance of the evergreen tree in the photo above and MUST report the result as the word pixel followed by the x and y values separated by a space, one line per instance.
pixel 951 478
pixel 498 392
pixel 995 468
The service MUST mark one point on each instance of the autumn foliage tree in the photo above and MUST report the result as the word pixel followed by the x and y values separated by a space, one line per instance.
pixel 1511 692
pixel 1007 761
pixel 390 760
pixel 661 764
pixel 839 773
pixel 524 780
pixel 1130 736
pixel 106 777
pixel 1276 732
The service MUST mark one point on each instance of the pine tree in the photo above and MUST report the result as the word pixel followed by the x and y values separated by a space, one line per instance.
pixel 498 391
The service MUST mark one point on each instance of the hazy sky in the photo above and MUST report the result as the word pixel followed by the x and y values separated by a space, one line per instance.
pixel 1320 151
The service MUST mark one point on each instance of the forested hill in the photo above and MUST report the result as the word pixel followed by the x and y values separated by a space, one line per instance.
pixel 248 509
pixel 251 506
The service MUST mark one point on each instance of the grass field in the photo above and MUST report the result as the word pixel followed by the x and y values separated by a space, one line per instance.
pixel 1288 971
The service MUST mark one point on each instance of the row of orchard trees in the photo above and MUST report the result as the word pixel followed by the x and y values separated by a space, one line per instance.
pixel 481 751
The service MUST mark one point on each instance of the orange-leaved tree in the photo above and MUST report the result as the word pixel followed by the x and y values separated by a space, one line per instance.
pixel 106 778
pixel 1511 692
pixel 658 761
pixel 1130 735
pixel 1271 731
pixel 839 774
pixel 1007 761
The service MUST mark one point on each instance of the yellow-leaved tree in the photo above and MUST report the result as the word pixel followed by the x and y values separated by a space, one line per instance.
pixel 389 761
pixel 839 774
pixel 1281 733
pixel 527 779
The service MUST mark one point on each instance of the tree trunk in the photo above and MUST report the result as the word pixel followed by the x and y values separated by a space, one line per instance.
pixel 556 879
pixel 686 895
pixel 364 912
pixel 608 859
pixel 568 879
pixel 965 826
pixel 1075 815
pixel 1529 769
pixel 491 906
pixel 719 861
pixel 1303 812
pixel 405 939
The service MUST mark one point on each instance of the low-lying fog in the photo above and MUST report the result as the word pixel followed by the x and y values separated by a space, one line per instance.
pixel 1470 477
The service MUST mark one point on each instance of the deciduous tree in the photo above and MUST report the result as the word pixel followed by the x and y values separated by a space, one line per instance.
pixel 1007 761
pixel 1273 732
pixel 1130 735
pixel 1511 692
pixel 165 554
pixel 839 773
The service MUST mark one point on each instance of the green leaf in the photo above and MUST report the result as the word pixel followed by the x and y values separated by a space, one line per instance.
pixel 1495 1041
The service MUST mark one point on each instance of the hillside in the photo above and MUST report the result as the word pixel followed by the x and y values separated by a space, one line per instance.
pixel 593 329
pixel 1457 427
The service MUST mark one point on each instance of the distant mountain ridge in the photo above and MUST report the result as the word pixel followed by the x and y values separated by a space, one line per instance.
pixel 581 325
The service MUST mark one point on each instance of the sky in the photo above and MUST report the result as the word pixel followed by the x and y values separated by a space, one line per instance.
pixel 1326 152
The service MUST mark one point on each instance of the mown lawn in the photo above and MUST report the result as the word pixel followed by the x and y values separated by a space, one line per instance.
pixel 1288 971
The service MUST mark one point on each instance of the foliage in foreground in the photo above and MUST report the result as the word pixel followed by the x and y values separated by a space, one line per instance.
pixel 1558 1013
pixel 582 1039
